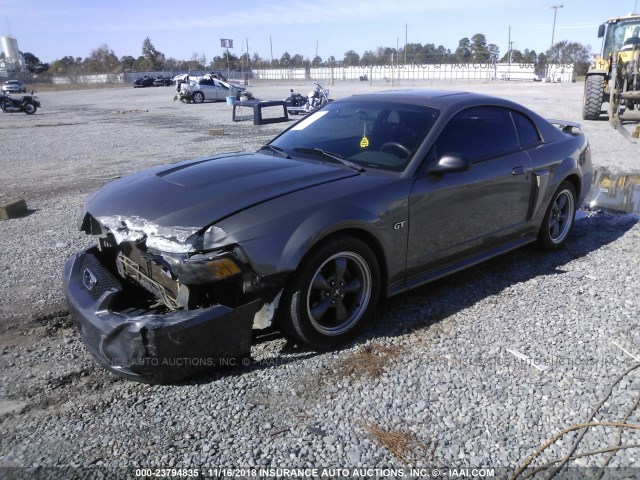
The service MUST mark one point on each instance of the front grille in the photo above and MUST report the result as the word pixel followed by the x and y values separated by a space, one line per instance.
pixel 130 269
pixel 104 281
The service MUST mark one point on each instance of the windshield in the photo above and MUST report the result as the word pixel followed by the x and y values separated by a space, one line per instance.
pixel 367 134
pixel 622 36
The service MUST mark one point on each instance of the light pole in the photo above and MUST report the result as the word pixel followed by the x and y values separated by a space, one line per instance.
pixel 510 42
pixel 553 32
pixel 405 42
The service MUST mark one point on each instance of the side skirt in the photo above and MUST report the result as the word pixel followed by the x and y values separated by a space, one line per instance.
pixel 456 266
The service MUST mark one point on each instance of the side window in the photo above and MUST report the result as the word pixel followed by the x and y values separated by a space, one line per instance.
pixel 205 81
pixel 527 132
pixel 478 133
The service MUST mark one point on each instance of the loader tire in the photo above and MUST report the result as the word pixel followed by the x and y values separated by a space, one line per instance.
pixel 592 99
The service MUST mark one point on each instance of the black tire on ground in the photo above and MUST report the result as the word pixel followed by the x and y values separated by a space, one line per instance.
pixel 197 97
pixel 559 218
pixel 332 295
pixel 592 98
pixel 30 109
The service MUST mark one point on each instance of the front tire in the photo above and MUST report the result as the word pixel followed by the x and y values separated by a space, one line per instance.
pixel 559 218
pixel 592 98
pixel 332 295
pixel 30 109
pixel 197 97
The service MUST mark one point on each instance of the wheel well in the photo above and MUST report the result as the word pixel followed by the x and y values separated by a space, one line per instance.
pixel 371 241
pixel 575 181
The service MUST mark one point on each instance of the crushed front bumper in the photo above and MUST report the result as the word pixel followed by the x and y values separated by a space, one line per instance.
pixel 148 347
pixel 184 96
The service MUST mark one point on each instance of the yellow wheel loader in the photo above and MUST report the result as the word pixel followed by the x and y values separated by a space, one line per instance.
pixel 614 75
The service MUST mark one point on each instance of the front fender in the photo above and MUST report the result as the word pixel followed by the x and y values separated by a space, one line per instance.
pixel 276 235
pixel 322 224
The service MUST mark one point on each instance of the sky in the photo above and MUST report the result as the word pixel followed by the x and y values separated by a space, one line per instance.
pixel 52 29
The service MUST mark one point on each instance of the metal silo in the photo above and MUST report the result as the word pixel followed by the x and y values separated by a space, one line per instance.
pixel 12 53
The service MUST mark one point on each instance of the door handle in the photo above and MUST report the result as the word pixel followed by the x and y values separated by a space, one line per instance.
pixel 518 171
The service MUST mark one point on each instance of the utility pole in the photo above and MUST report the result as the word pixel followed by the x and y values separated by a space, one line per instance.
pixel 398 57
pixel 405 42
pixel 553 31
pixel 510 42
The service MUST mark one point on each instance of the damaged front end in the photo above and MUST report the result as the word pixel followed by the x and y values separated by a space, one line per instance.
pixel 156 304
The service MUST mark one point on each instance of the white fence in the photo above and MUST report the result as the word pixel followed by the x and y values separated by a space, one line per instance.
pixel 100 78
pixel 390 73
pixel 451 72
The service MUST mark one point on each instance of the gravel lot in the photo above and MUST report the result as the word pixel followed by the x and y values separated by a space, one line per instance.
pixel 434 383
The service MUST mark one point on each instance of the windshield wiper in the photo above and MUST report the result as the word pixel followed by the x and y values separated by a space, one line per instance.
pixel 277 150
pixel 330 155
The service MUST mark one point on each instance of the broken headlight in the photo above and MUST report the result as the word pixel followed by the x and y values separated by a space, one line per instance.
pixel 207 268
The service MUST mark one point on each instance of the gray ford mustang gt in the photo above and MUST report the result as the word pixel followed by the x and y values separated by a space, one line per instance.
pixel 370 196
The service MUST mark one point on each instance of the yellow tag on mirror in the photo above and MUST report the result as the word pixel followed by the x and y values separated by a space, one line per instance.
pixel 364 143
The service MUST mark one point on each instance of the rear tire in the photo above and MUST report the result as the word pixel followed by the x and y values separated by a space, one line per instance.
pixel 592 98
pixel 559 218
pixel 197 97
pixel 332 295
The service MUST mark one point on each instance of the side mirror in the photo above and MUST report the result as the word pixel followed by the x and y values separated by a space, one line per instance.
pixel 601 31
pixel 450 163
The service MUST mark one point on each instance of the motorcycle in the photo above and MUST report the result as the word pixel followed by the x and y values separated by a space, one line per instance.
pixel 299 104
pixel 28 104
pixel 317 98
pixel 295 99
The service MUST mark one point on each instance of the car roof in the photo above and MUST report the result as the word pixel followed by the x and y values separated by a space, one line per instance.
pixel 13 81
pixel 441 99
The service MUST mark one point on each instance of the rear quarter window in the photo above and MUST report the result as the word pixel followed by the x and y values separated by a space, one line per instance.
pixel 528 135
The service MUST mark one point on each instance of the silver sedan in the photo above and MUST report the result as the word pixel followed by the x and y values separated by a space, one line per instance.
pixel 207 88
pixel 14 86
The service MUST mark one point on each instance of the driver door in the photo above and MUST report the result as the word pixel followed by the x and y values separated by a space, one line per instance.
pixel 461 213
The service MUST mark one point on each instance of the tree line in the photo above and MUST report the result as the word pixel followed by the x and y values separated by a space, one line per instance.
pixel 469 50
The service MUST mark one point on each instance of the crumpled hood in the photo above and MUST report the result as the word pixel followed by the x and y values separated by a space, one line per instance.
pixel 198 193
